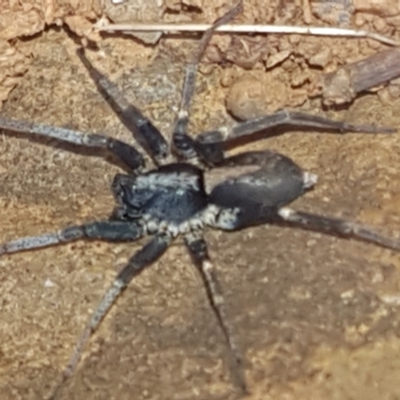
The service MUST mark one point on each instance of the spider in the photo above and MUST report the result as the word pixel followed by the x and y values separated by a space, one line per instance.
pixel 183 197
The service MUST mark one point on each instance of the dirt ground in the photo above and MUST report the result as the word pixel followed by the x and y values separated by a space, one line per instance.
pixel 316 317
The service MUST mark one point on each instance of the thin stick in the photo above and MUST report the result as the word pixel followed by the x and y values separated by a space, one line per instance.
pixel 244 28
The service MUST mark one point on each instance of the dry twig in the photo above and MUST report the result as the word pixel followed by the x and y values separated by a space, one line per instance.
pixel 104 26
pixel 344 84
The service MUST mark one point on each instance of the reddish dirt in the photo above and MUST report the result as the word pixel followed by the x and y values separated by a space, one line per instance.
pixel 316 317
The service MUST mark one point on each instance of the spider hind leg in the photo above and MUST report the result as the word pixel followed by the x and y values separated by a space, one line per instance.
pixel 143 258
pixel 198 250
pixel 260 196
pixel 336 226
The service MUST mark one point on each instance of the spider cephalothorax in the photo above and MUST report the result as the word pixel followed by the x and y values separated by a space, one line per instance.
pixel 201 188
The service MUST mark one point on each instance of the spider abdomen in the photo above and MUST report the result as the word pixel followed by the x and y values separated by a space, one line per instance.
pixel 274 182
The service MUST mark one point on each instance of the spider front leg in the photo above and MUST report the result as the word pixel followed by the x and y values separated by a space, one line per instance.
pixel 186 147
pixel 141 127
pixel 110 231
pixel 285 118
pixel 125 153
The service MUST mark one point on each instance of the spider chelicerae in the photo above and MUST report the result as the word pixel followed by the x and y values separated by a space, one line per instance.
pixel 201 188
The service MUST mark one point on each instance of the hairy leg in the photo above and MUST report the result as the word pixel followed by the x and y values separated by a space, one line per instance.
pixel 125 153
pixel 185 146
pixel 337 227
pixel 142 259
pixel 198 249
pixel 285 118
pixel 141 127
pixel 101 230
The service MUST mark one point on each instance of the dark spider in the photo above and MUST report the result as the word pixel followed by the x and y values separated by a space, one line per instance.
pixel 175 199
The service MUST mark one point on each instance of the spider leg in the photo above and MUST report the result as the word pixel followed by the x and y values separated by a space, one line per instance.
pixel 184 145
pixel 198 249
pixel 101 230
pixel 142 128
pixel 142 259
pixel 259 197
pixel 127 154
pixel 233 219
pixel 285 118
pixel 336 226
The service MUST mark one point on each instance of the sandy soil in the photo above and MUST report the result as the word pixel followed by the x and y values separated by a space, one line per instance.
pixel 317 317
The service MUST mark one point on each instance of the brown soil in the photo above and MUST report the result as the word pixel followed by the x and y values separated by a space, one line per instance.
pixel 317 317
